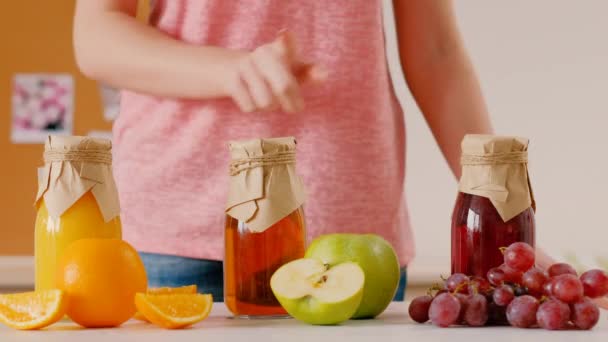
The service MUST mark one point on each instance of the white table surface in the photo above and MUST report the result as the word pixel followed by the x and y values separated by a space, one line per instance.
pixel 393 325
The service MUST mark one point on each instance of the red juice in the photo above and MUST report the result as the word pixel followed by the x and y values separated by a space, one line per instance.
pixel 478 233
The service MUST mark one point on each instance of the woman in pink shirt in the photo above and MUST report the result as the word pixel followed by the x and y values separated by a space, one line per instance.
pixel 203 72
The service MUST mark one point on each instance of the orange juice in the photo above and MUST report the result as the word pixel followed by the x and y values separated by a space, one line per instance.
pixel 53 236
pixel 77 198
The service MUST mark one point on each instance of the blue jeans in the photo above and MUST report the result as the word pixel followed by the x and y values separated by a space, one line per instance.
pixel 207 275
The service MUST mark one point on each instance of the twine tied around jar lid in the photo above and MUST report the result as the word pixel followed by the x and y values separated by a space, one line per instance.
pixel 78 155
pixel 271 159
pixel 519 157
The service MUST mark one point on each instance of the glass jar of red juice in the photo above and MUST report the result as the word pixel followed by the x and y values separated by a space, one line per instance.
pixel 495 206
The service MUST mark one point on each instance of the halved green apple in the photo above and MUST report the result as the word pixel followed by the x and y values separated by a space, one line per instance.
pixel 312 292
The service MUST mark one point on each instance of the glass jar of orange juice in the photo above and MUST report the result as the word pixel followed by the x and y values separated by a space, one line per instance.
pixel 265 225
pixel 77 198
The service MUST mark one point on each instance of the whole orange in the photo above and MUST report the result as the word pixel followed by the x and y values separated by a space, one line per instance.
pixel 100 278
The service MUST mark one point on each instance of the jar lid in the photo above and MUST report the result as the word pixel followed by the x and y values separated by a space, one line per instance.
pixel 496 167
pixel 264 186
pixel 73 166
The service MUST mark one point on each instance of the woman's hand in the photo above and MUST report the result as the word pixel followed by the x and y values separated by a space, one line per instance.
pixel 271 76
pixel 146 60
pixel 602 302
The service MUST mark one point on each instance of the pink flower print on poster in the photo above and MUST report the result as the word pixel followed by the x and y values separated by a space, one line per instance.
pixel 43 104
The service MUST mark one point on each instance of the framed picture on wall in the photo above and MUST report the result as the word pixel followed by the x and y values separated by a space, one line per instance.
pixel 42 104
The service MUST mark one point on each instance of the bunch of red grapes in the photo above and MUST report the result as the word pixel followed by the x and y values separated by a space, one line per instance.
pixel 516 293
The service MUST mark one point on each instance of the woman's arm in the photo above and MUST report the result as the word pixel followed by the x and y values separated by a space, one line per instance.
pixel 113 47
pixel 439 74
pixel 443 82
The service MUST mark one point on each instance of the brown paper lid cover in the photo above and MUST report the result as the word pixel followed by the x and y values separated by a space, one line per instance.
pixel 496 167
pixel 74 165
pixel 264 186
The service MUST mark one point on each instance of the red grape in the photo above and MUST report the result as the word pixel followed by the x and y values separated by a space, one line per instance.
pixel 521 312
pixel 496 276
pixel 559 269
pixel 476 312
pixel 503 295
pixel 519 256
pixel 444 310
pixel 585 314
pixel 553 315
pixel 479 285
pixel 548 288
pixel 419 308
pixel 457 281
pixel 519 290
pixel 463 299
pixel 567 288
pixel 497 315
pixel 595 283
pixel 534 280
pixel 511 275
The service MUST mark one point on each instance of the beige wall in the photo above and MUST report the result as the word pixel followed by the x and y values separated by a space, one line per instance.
pixel 543 65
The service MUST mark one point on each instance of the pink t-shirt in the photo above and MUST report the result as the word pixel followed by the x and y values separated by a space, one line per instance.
pixel 171 156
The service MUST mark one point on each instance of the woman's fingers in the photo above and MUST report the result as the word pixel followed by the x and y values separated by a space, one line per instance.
pixel 602 302
pixel 240 94
pixel 285 47
pixel 284 85
pixel 259 91
pixel 310 73
pixel 270 77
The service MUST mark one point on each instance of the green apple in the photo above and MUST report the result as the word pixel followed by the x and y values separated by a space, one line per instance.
pixel 376 257
pixel 315 293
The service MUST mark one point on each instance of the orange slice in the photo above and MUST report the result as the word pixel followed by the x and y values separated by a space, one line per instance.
pixel 166 290
pixel 32 310
pixel 172 290
pixel 173 311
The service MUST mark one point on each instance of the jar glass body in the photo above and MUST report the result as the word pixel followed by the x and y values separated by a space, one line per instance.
pixel 53 235
pixel 251 258
pixel 478 233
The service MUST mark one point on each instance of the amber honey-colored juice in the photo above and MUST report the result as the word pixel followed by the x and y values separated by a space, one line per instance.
pixel 251 259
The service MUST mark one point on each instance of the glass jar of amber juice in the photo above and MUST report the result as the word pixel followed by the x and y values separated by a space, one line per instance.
pixel 76 199
pixel 265 225
pixel 495 206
